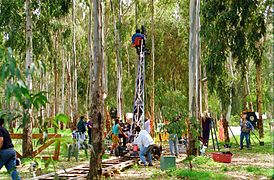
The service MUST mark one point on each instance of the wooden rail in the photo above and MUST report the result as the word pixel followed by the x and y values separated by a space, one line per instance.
pixel 51 139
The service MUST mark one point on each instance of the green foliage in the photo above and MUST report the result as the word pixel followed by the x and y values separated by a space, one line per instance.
pixel 184 173
pixel 189 159
pixel 201 160
pixel 252 169
pixel 173 109
pixel 17 88
pixel 259 171
pixel 235 27
pixel 60 118
pixel 173 104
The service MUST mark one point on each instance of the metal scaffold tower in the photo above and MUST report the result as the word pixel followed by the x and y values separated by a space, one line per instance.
pixel 139 96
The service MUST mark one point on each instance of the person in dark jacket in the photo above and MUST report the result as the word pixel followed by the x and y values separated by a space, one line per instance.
pixel 206 124
pixel 81 127
pixel 7 153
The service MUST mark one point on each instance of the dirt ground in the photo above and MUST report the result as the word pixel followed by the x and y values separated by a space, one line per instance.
pixel 235 168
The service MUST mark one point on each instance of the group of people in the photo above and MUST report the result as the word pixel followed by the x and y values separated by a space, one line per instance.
pixel 245 126
pixel 144 140
pixel 119 130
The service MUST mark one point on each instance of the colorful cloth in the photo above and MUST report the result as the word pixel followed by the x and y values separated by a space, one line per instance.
pixel 115 139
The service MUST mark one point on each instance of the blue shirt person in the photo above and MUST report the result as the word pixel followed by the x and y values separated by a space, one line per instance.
pixel 246 127
pixel 136 40
pixel 136 35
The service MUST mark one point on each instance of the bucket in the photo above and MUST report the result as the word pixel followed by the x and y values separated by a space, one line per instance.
pixel 221 157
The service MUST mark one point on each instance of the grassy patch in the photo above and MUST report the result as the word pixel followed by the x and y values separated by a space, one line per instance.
pixel 260 171
pixel 201 160
pixel 185 173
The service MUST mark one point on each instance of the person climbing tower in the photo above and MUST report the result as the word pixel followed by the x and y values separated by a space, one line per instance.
pixel 137 40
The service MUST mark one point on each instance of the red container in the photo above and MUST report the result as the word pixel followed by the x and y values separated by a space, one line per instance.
pixel 221 157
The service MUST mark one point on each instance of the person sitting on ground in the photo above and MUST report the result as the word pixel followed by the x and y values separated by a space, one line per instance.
pixel 246 127
pixel 145 143
pixel 7 153
pixel 116 129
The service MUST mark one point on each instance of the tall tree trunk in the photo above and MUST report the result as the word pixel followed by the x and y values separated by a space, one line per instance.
pixel 128 65
pixel 198 66
pixel 136 13
pixel 259 97
pixel 41 88
pixel 48 96
pixel 90 43
pixel 63 86
pixel 153 66
pixel 226 119
pixel 191 150
pixel 95 171
pixel 250 104
pixel 27 147
pixel 108 120
pixel 55 78
pixel 69 80
pixel 247 104
pixel 228 113
pixel 63 81
pixel 74 56
pixel 104 68
pixel 205 90
pixel 118 57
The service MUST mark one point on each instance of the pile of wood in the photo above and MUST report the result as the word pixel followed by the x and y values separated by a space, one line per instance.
pixel 109 167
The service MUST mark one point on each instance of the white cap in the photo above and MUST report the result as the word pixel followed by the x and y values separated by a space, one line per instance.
pixel 129 115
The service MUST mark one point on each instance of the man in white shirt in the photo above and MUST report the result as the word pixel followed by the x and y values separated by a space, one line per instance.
pixel 145 143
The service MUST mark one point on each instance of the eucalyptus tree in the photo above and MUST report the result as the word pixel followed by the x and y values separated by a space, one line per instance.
pixel 27 130
pixel 75 64
pixel 117 37
pixel 234 27
pixel 38 16
pixel 152 119
pixel 193 77
pixel 95 171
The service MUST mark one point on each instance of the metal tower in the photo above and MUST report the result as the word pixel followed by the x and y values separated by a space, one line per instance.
pixel 139 96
